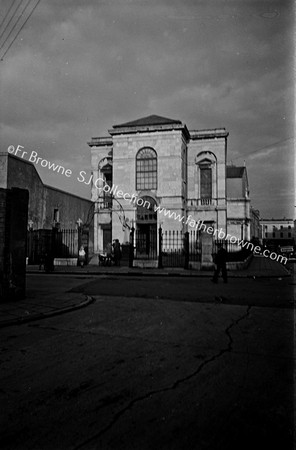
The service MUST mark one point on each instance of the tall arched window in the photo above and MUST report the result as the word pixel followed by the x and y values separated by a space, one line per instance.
pixel 206 177
pixel 106 172
pixel 146 169
pixel 205 181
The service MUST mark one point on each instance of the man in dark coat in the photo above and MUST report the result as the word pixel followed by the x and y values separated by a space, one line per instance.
pixel 117 252
pixel 220 262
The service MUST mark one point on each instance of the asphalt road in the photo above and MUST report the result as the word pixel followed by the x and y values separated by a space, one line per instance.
pixel 133 373
pixel 265 292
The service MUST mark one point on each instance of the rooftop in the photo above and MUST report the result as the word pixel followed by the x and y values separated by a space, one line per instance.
pixel 235 172
pixel 100 141
pixel 208 133
pixel 149 120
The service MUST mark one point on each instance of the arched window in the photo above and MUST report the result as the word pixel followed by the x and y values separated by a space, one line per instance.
pixel 205 180
pixel 146 169
pixel 106 171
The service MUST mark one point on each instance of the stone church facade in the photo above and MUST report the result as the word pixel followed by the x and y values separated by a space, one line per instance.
pixel 157 163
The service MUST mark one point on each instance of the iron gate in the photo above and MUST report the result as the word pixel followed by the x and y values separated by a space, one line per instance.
pixel 55 242
pixel 172 248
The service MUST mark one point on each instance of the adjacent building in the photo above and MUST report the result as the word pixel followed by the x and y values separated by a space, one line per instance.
pixel 238 202
pixel 277 232
pixel 255 226
pixel 49 209
pixel 48 206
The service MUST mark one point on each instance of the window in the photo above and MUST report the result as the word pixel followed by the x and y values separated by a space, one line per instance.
pixel 56 215
pixel 107 197
pixel 205 182
pixel 206 177
pixel 289 235
pixel 184 168
pixel 146 169
pixel 273 235
pixel 281 235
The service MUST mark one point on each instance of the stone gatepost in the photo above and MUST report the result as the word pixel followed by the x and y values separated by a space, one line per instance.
pixel 13 239
pixel 206 251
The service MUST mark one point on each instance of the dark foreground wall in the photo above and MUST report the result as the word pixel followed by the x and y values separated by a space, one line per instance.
pixel 13 235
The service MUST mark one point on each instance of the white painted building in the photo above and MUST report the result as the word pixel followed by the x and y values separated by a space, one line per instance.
pixel 157 162
pixel 277 231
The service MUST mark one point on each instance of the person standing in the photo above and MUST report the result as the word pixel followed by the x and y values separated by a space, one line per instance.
pixel 81 256
pixel 117 252
pixel 108 254
pixel 220 262
pixel 48 262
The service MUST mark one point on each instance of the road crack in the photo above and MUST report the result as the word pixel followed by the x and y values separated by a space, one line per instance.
pixel 150 394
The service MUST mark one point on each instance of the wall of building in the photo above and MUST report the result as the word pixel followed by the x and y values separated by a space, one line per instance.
pixel 43 199
pixel 238 218
pixel 237 187
pixel 208 145
pixel 255 227
pixel 234 188
pixel 17 172
pixel 277 229
pixel 168 146
pixel 216 146
pixel 71 208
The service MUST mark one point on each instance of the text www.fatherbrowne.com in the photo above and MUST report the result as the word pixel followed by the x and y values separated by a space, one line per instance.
pixel 219 233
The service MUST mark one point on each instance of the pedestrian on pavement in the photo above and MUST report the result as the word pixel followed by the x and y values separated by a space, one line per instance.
pixel 117 252
pixel 41 261
pixel 220 264
pixel 48 262
pixel 109 254
pixel 81 256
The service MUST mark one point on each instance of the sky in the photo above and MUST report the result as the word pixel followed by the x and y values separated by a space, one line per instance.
pixel 79 67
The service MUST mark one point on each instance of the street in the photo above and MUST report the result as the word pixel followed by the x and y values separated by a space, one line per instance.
pixel 154 363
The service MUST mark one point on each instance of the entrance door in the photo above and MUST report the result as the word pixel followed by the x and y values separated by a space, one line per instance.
pixel 146 241
pixel 146 230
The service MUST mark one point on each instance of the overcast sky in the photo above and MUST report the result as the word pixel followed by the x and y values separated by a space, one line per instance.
pixel 79 67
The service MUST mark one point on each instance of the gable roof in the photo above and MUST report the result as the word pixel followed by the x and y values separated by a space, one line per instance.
pixel 149 120
pixel 235 172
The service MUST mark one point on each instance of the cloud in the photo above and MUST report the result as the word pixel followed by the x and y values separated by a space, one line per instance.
pixel 83 66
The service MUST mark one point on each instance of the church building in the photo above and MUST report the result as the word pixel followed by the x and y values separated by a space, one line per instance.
pixel 155 172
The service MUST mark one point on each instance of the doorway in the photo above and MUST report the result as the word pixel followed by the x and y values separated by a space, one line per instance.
pixel 146 229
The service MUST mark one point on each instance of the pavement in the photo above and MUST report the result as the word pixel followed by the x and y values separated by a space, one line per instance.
pixel 39 304
pixel 32 308
pixel 258 267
